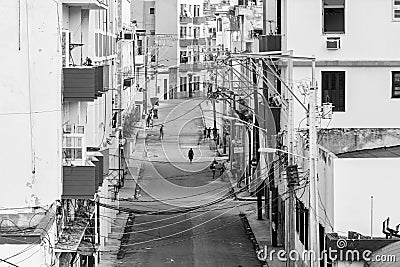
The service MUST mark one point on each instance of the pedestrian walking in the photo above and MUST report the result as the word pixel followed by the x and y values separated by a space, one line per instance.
pixel 161 132
pixel 148 121
pixel 213 167
pixel 205 132
pixel 209 132
pixel 222 168
pixel 190 155
pixel 215 132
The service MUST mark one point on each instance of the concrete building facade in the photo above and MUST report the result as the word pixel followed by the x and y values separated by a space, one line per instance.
pixel 67 89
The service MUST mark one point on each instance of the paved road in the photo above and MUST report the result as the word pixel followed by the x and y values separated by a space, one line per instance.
pixel 209 236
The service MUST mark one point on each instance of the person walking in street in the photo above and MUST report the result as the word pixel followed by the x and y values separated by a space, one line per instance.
pixel 161 132
pixel 205 132
pixel 148 121
pixel 190 155
pixel 222 168
pixel 209 132
pixel 213 167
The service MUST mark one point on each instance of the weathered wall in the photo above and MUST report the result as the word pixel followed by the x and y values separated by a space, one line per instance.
pixel 341 140
pixel 30 103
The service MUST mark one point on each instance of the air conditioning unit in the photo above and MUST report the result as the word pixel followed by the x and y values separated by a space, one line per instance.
pixel 327 110
pixel 333 43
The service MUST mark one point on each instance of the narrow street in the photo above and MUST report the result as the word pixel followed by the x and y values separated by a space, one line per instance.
pixel 212 235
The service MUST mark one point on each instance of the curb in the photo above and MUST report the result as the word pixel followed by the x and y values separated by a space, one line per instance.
pixel 252 237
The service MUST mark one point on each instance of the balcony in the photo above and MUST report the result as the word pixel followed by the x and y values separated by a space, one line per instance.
pixel 269 43
pixel 97 158
pixel 82 83
pixel 79 182
pixel 185 20
pixel 199 20
pixel 86 4
pixel 184 67
pixel 188 42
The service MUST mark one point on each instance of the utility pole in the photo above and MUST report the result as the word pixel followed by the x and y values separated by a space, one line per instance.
pixel 232 129
pixel 255 159
pixel 291 224
pixel 213 100
pixel 156 68
pixel 145 76
pixel 314 221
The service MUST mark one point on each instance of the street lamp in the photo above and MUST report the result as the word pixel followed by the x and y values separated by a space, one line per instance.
pixel 274 150
pixel 244 122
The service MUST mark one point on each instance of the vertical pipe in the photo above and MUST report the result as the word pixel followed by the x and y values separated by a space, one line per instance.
pixel 372 216
pixel 313 214
pixel 231 130
pixel 291 224
pixel 145 76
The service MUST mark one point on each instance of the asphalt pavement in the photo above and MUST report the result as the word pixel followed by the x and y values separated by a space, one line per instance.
pixel 185 217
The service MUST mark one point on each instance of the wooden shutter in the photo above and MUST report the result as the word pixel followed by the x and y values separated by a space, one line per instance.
pixel 333 89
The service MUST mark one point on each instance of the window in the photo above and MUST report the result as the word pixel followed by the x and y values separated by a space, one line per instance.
pixel 189 32
pixel 333 16
pixel 183 10
pixel 333 89
pixel 196 83
pixel 196 11
pixel 183 81
pixel 395 84
pixel 72 146
pixel 152 10
pixel 152 32
pixel 196 32
pixel 183 57
pixel 140 47
pixel 219 25
pixel 183 32
pixel 396 10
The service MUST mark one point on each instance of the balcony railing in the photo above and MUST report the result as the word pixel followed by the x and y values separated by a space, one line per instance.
pixel 187 42
pixel 82 83
pixel 191 67
pixel 270 43
pixel 185 20
pixel 81 181
pixel 199 20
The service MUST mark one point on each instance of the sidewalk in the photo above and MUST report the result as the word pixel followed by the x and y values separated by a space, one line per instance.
pixel 131 178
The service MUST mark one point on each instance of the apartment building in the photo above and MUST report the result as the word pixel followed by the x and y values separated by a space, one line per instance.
pixel 173 34
pixel 356 75
pixel 69 68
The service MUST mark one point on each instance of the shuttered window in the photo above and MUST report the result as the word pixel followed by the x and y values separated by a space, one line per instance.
pixel 395 84
pixel 333 89
pixel 396 10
